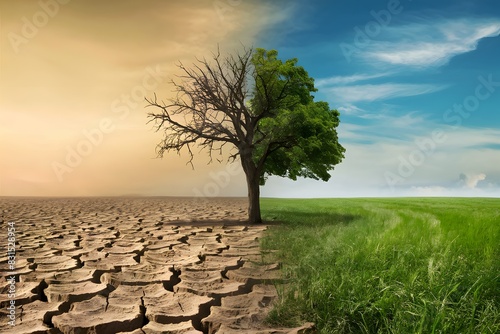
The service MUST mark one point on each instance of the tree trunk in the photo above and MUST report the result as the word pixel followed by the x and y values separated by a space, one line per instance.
pixel 253 184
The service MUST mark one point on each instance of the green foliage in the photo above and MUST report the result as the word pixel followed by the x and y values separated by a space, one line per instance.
pixel 387 265
pixel 294 136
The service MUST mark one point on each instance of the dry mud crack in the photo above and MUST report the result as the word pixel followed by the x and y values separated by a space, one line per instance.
pixel 142 266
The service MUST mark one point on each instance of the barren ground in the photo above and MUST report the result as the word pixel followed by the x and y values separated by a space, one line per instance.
pixel 135 265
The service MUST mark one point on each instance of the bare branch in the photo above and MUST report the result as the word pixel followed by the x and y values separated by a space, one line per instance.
pixel 208 107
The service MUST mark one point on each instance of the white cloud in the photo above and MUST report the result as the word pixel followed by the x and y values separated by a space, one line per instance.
pixel 471 180
pixel 343 80
pixel 369 92
pixel 350 109
pixel 474 139
pixel 432 43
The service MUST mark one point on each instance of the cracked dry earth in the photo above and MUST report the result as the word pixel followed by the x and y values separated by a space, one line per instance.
pixel 136 265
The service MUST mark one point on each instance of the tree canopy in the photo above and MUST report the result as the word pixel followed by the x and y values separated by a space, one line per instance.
pixel 262 107
pixel 295 136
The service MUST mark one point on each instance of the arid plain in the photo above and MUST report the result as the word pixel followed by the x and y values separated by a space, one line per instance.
pixel 134 265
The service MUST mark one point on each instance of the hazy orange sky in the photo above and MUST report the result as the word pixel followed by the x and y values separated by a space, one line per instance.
pixel 74 75
pixel 73 78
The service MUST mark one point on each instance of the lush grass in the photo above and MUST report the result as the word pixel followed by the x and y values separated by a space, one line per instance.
pixel 409 265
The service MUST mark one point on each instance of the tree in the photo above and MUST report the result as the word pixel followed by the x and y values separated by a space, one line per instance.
pixel 261 108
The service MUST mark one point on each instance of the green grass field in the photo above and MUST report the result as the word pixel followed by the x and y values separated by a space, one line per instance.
pixel 406 265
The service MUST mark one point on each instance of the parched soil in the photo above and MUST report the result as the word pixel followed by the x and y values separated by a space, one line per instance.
pixel 135 265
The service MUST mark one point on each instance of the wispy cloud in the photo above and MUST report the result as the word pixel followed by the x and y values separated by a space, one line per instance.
pixel 344 80
pixel 474 139
pixel 351 109
pixel 371 92
pixel 430 43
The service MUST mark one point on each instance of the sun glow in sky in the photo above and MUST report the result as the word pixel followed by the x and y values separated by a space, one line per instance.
pixel 417 84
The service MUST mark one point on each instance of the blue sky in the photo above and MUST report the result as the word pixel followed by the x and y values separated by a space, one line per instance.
pixel 417 84
pixel 418 87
